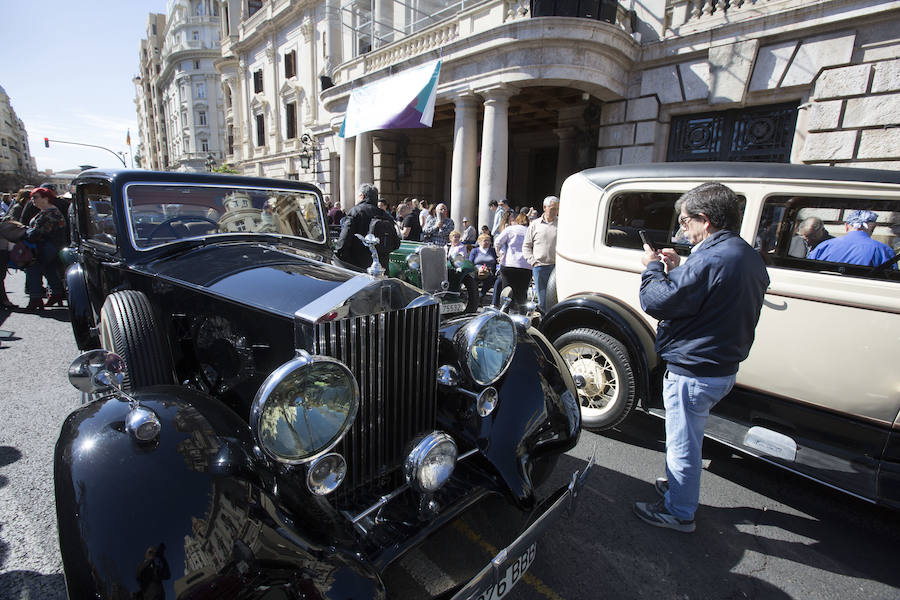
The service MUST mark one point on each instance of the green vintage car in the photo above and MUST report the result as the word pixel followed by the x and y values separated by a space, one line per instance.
pixel 426 266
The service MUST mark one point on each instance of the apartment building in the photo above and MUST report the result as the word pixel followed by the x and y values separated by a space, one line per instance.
pixel 530 92
pixel 178 93
pixel 15 157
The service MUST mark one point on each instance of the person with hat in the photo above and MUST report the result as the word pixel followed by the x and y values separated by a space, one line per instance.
pixel 46 229
pixel 856 247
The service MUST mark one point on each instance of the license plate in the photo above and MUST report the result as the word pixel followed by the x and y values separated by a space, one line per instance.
pixel 452 307
pixel 513 573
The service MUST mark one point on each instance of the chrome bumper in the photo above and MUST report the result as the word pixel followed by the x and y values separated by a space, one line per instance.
pixel 562 500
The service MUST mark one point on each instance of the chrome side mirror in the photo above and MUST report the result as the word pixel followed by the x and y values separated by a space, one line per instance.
pixel 97 370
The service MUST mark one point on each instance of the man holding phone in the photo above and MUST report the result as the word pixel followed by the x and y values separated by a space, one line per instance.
pixel 707 309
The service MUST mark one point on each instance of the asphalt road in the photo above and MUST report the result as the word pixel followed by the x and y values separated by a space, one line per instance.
pixel 760 533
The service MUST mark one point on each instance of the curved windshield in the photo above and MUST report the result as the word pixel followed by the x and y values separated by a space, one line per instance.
pixel 162 213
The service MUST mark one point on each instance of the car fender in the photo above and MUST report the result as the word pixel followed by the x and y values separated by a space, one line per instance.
pixel 192 512
pixel 81 312
pixel 537 413
pixel 612 316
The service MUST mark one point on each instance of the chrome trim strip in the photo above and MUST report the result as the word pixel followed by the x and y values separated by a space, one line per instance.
pixel 327 302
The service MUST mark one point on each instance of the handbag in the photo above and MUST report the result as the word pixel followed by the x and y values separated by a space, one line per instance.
pixel 21 254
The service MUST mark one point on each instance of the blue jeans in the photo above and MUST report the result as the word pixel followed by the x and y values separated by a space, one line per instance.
pixel 688 401
pixel 46 265
pixel 541 277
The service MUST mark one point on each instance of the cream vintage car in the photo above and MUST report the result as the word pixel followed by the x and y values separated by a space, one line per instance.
pixel 820 392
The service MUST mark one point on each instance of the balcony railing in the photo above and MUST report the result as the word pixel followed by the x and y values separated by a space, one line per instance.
pixel 683 16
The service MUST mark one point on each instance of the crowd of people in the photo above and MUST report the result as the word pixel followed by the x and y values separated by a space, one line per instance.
pixel 33 229
pixel 517 247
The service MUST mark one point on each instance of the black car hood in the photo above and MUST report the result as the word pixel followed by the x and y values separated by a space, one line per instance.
pixel 279 279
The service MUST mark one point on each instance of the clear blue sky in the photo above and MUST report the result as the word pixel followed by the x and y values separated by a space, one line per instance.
pixel 67 67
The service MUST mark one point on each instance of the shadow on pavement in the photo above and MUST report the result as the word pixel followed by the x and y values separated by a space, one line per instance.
pixel 22 585
pixel 605 551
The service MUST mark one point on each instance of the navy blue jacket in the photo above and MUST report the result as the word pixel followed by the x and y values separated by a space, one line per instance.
pixel 708 306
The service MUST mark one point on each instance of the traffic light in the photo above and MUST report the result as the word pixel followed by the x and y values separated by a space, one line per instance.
pixel 46 143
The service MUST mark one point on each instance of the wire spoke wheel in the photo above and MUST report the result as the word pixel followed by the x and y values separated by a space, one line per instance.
pixel 602 362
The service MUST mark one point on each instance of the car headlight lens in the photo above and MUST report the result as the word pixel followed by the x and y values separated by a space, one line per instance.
pixel 488 343
pixel 304 408
pixel 431 462
pixel 412 261
pixel 458 260
pixel 326 473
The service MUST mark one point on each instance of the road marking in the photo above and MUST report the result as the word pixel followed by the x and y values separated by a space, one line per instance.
pixel 538 585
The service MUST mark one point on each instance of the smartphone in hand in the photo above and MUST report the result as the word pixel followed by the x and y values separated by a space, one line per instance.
pixel 646 240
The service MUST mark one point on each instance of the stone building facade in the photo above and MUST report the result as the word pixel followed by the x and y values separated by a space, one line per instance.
pixel 178 94
pixel 16 161
pixel 532 91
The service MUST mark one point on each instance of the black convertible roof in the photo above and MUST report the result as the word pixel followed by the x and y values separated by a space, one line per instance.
pixel 603 176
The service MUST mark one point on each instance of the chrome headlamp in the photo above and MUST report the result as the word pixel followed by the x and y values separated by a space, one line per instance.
pixel 488 343
pixel 412 261
pixel 304 408
pixel 431 462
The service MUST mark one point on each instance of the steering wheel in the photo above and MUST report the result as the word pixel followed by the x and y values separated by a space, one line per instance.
pixel 183 219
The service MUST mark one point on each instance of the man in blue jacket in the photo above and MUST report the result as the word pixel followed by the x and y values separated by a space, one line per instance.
pixel 708 309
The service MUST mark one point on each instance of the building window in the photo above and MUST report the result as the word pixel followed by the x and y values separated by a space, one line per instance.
pixel 257 82
pixel 201 90
pixel 253 6
pixel 195 35
pixel 153 28
pixel 196 64
pixel 290 111
pixel 231 139
pixel 260 131
pixel 183 91
pixel 290 64
pixel 204 145
pixel 201 117
pixel 187 144
pixel 764 133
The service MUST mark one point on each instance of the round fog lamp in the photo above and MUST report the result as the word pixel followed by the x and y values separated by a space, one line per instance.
pixel 431 462
pixel 487 401
pixel 326 473
pixel 412 261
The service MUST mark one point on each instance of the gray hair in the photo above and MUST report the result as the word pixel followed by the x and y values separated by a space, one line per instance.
pixel 715 201
pixel 369 193
pixel 550 200
pixel 811 225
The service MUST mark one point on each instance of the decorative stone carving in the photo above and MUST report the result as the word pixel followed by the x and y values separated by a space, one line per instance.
pixel 307 28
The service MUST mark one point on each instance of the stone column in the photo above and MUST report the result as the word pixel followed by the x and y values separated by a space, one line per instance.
pixel 494 149
pixel 565 158
pixel 462 172
pixel 365 171
pixel 384 23
pixel 348 173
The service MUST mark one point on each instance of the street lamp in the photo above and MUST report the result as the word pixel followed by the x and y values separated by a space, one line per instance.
pixel 210 162
pixel 306 154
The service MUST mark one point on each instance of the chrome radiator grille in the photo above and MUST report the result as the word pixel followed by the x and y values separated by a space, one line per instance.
pixel 394 358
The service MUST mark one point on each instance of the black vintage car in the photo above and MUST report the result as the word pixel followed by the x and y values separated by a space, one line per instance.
pixel 262 423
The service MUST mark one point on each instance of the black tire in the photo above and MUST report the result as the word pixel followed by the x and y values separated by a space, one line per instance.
pixel 129 328
pixel 470 292
pixel 608 395
pixel 550 292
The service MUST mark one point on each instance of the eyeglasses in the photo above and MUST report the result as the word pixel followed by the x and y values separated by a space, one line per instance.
pixel 683 221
